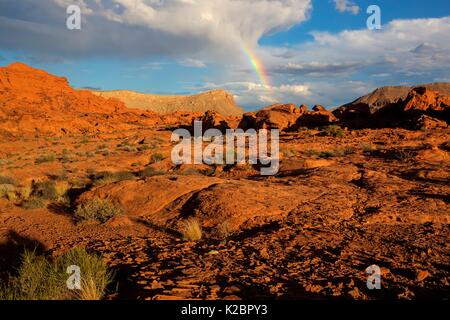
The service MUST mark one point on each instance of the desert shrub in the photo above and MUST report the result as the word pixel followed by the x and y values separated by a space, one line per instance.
pixel 334 131
pixel 100 210
pixel 310 153
pixel 149 172
pixel 349 150
pixel 33 203
pixel 192 230
pixel 288 153
pixel 107 177
pixel 144 147
pixel 41 279
pixel 45 190
pixel 25 193
pixel 6 189
pixel 45 158
pixel 7 180
pixel 367 147
pixel 157 157
pixel 326 154
pixel 11 196
pixel 102 147
pixel 127 148
pixel 223 230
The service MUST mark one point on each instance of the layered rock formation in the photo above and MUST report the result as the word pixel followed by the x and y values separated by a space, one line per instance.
pixel 219 101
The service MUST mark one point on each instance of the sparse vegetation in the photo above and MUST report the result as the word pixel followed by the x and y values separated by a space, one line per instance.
pixel 149 172
pixel 45 158
pixel 157 157
pixel 7 180
pixel 289 152
pixel 107 177
pixel 367 147
pixel 100 210
pixel 6 190
pixel 311 153
pixel 33 203
pixel 144 147
pixel 192 230
pixel 223 230
pixel 326 154
pixel 45 190
pixel 334 131
pixel 39 278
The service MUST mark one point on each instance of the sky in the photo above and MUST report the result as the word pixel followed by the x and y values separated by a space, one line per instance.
pixel 262 51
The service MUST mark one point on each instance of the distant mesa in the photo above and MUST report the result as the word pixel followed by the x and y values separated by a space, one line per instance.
pixel 219 101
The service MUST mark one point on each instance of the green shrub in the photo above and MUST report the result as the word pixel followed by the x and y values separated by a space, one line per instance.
pixel 157 157
pixel 100 210
pixel 335 131
pixel 326 154
pixel 144 147
pixel 41 279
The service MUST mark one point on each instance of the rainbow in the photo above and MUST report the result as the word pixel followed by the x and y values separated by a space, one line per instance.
pixel 258 67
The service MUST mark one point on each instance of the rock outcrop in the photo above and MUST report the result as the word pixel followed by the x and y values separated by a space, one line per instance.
pixel 404 112
pixel 214 120
pixel 34 101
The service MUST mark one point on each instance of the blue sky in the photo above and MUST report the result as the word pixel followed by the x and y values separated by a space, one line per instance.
pixel 313 51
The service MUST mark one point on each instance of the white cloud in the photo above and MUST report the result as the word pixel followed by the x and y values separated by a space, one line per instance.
pixel 420 45
pixel 346 6
pixel 192 63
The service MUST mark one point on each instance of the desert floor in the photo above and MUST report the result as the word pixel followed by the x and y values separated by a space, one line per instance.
pixel 337 206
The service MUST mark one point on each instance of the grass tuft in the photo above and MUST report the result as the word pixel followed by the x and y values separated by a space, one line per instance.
pixel 192 230
pixel 100 210
pixel 41 279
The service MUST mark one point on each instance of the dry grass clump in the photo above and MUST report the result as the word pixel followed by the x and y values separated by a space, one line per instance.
pixel 41 279
pixel 192 230
pixel 45 158
pixel 100 210
pixel 7 191
pixel 106 177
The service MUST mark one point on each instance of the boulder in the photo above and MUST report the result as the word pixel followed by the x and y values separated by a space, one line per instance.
pixel 316 119
pixel 278 116
pixel 425 122
pixel 248 121
pixel 214 120
pixel 319 107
